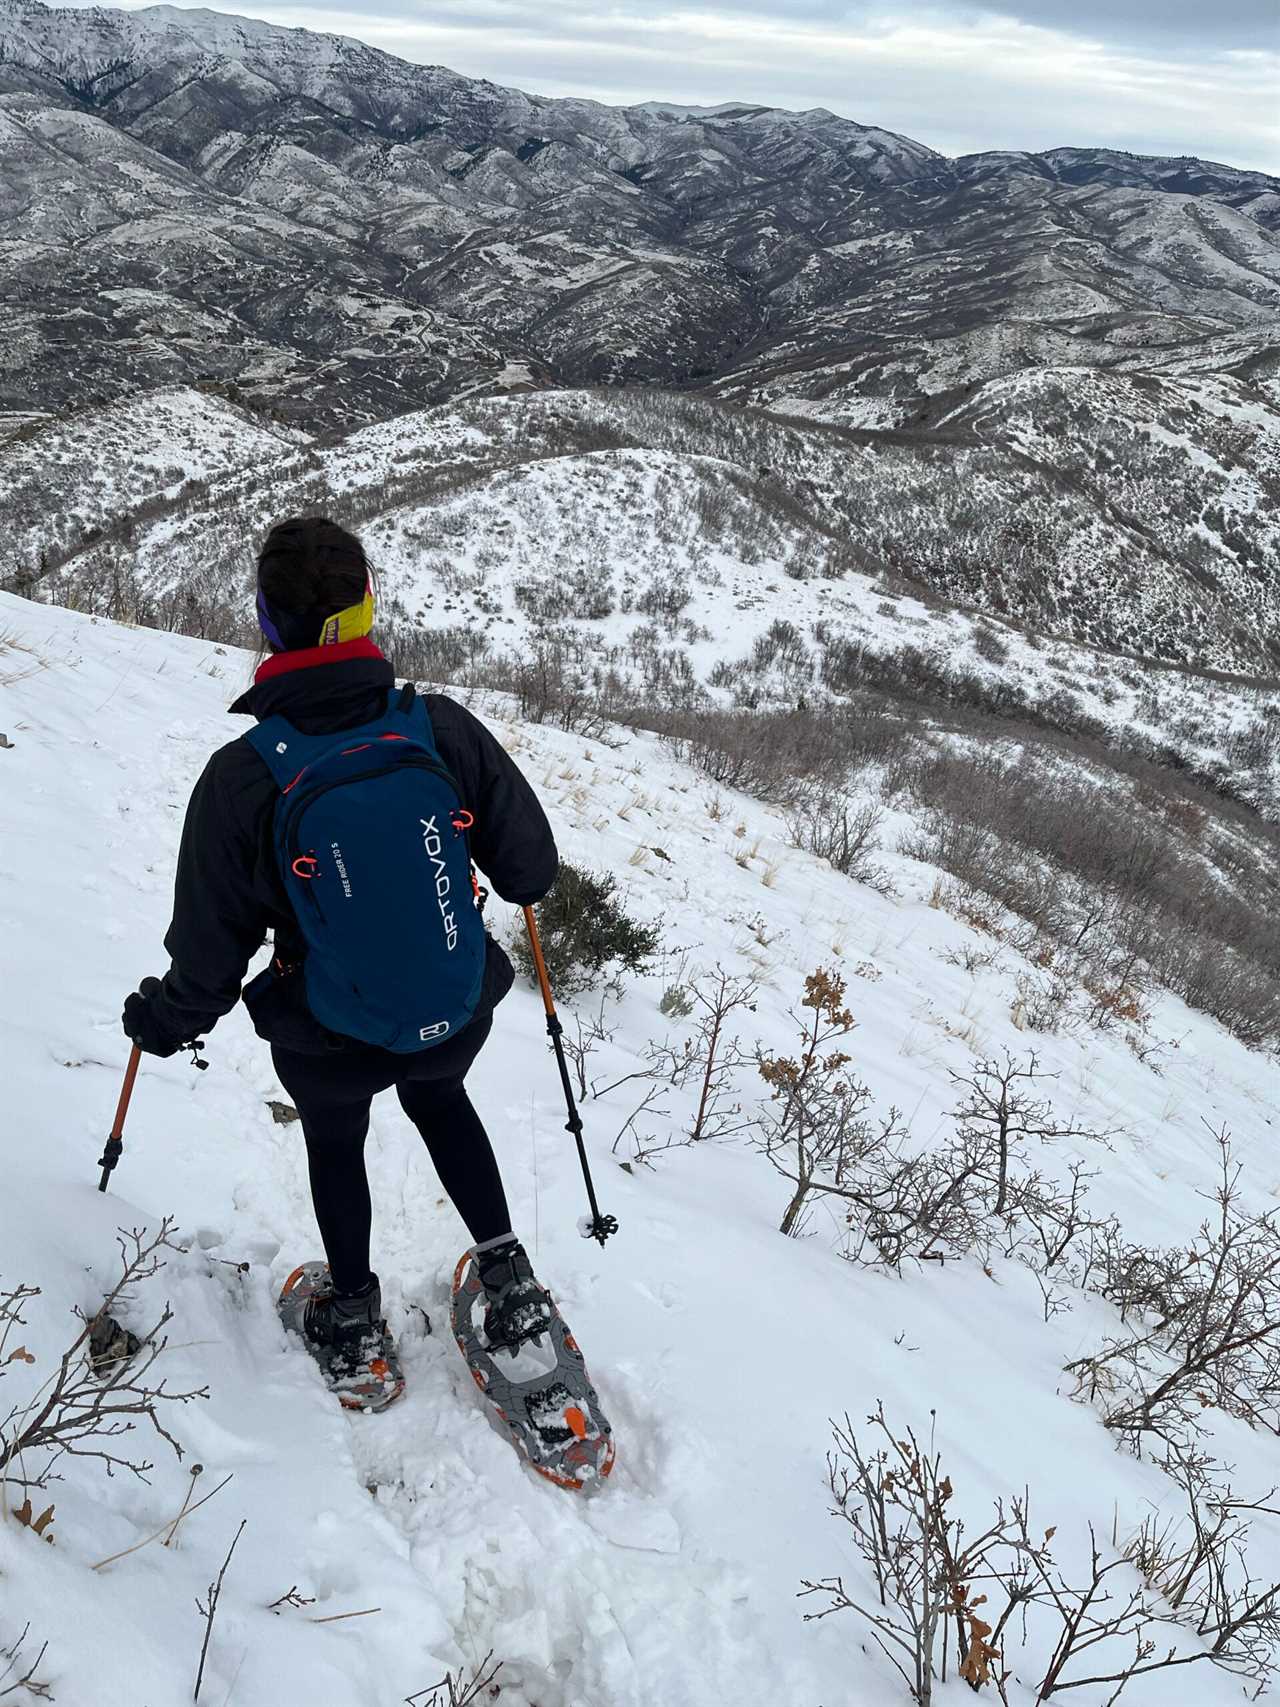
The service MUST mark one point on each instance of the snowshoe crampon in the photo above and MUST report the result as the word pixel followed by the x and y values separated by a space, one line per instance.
pixel 538 1393
pixel 365 1375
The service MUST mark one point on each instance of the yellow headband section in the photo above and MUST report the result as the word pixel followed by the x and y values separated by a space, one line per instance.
pixel 350 624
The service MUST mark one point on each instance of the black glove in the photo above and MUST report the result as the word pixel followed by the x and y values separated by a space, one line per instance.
pixel 142 1025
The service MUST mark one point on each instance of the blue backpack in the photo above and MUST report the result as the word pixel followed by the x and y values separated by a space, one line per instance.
pixel 371 837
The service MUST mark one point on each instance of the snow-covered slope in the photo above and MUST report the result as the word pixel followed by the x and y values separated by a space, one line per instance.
pixel 721 1348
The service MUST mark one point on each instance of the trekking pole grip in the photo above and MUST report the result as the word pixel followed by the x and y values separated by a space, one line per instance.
pixel 600 1227
pixel 115 1145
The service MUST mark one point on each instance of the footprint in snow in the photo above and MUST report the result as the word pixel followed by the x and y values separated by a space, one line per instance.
pixel 633 1521
pixel 662 1231
pixel 666 1294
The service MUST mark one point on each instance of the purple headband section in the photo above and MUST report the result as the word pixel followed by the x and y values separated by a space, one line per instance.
pixel 267 626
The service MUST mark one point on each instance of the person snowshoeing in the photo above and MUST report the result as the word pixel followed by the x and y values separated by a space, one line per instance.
pixel 359 866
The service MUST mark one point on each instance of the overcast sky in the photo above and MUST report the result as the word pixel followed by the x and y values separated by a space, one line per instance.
pixel 1156 76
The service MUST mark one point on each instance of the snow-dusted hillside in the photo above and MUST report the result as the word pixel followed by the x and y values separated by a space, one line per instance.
pixel 1057 516
pixel 192 194
pixel 720 1347
pixel 67 481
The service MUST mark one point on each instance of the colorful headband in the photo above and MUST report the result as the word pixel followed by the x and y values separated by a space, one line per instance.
pixel 350 624
pixel 294 631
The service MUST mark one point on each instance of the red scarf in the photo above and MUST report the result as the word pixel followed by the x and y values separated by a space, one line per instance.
pixel 280 663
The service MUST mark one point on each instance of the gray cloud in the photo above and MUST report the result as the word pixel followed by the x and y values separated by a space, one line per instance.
pixel 1204 23
pixel 1222 24
pixel 1196 79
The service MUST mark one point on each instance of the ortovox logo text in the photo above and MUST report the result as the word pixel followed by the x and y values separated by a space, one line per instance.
pixel 436 1030
pixel 432 843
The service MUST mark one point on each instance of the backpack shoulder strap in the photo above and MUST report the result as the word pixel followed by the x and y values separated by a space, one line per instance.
pixel 409 704
pixel 285 750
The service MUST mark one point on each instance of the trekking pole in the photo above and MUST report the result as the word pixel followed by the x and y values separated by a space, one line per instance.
pixel 115 1143
pixel 601 1226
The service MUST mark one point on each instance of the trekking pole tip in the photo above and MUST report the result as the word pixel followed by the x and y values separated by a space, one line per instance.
pixel 107 1161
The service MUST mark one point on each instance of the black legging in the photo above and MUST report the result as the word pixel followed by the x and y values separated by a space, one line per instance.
pixel 332 1094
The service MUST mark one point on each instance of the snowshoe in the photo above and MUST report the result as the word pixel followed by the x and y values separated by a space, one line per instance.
pixel 531 1373
pixel 347 1338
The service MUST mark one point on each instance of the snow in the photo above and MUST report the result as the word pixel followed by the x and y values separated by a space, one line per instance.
pixel 78 473
pixel 516 506
pixel 720 1348
pixel 668 110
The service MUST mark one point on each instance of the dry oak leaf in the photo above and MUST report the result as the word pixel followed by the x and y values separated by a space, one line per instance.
pixel 25 1516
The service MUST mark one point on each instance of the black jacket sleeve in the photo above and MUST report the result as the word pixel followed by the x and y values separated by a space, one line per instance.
pixel 511 840
pixel 218 921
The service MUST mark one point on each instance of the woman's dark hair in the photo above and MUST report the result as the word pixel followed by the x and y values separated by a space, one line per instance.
pixel 311 564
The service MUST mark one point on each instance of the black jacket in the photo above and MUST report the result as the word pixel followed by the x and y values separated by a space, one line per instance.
pixel 228 893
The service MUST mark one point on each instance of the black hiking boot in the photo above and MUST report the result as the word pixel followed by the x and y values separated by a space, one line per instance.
pixel 346 1335
pixel 519 1309
pixel 340 1324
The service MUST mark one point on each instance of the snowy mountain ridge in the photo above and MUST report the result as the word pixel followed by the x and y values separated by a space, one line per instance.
pixel 165 170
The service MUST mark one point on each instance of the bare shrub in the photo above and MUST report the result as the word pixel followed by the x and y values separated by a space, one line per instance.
pixel 775 755
pixel 1205 1326
pixel 961 845
pixel 817 1131
pixel 998 1106
pixel 457 1689
pixel 1051 1228
pixel 19 1674
pixel 434 655
pixel 930 1582
pixel 551 686
pixel 1103 1613
pixel 90 1402
pixel 988 644
pixel 588 1033
pixel 988 1607
pixel 970 906
pixel 664 598
pixel 971 958
pixel 711 1057
pixel 1119 1000
pixel 820 1136
pixel 1198 1562
pixel 826 822
pixel 583 591
pixel 967 1193
pixel 1042 1002
pixel 645 1144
